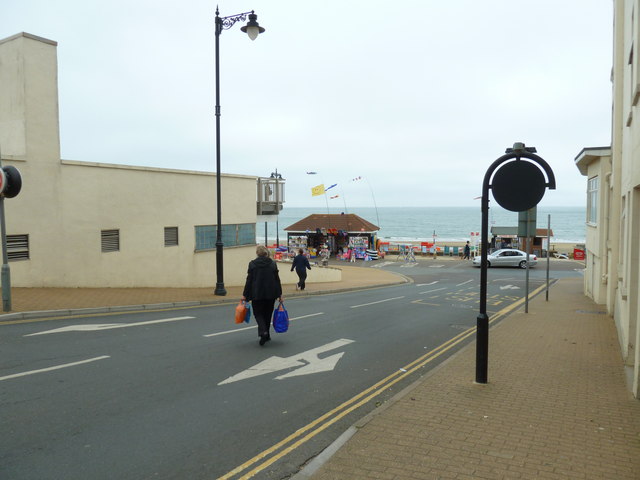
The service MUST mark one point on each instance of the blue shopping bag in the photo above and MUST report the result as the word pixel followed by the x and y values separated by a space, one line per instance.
pixel 247 315
pixel 280 319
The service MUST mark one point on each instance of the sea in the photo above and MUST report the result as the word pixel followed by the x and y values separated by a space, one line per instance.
pixel 454 224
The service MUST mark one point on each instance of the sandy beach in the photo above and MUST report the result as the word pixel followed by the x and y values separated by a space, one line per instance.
pixel 565 248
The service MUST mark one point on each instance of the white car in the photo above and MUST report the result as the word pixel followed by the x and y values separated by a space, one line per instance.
pixel 507 257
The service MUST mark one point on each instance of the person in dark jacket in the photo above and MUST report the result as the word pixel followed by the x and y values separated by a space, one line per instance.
pixel 262 288
pixel 301 264
pixel 467 252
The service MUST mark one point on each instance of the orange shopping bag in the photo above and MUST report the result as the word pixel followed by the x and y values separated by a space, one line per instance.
pixel 243 312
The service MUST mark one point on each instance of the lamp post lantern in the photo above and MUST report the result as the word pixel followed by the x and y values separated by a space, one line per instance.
pixel 253 30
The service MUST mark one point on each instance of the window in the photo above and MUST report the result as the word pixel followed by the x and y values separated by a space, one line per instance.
pixel 170 236
pixel 632 78
pixel 110 240
pixel 623 234
pixel 232 235
pixel 205 237
pixel 633 61
pixel 592 200
pixel 18 247
pixel 246 234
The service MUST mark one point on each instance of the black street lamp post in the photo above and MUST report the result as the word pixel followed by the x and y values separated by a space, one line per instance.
pixel 253 30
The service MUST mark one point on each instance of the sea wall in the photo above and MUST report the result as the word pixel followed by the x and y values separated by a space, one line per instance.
pixel 317 274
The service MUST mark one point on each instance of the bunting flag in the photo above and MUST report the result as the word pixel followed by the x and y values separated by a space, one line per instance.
pixel 318 190
pixel 335 196
pixel 356 179
pixel 328 188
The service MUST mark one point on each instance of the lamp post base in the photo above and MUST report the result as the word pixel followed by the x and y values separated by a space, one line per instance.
pixel 220 290
pixel 6 288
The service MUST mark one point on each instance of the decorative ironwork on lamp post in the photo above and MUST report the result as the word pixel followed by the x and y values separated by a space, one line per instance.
pixel 253 30
pixel 277 177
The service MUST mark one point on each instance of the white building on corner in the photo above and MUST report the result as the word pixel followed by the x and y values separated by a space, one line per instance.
pixel 612 275
pixel 79 224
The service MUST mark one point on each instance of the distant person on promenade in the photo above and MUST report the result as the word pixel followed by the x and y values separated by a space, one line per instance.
pixel 262 288
pixel 301 264
pixel 467 252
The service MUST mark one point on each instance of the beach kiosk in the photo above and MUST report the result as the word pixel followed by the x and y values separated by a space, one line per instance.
pixel 339 234
pixel 507 237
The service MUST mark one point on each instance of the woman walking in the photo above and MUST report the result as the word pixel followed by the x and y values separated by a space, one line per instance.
pixel 301 264
pixel 262 288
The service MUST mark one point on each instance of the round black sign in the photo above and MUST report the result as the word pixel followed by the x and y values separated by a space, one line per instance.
pixel 518 186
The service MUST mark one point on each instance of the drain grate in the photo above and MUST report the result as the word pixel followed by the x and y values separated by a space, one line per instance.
pixel 591 312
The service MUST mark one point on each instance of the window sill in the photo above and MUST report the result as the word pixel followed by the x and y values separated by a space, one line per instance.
pixel 226 247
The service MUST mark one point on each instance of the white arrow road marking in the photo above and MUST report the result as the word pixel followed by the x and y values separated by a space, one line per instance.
pixel 373 303
pixel 57 367
pixel 430 291
pixel 509 287
pixel 316 365
pixel 426 284
pixel 255 326
pixel 105 326
pixel 313 363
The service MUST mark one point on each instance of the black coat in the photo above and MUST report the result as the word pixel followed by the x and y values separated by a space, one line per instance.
pixel 263 280
pixel 300 262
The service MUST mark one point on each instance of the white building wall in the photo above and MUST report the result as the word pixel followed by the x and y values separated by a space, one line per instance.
pixel 140 202
pixel 595 163
pixel 628 75
pixel 620 262
pixel 64 205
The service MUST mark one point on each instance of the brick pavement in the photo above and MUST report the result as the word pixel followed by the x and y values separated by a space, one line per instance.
pixel 556 407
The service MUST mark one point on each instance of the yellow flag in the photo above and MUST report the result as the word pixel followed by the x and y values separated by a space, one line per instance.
pixel 319 190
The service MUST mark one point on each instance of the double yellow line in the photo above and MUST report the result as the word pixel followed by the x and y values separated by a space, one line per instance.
pixel 314 428
pixel 306 433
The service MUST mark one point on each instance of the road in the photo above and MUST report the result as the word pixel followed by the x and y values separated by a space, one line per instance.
pixel 185 393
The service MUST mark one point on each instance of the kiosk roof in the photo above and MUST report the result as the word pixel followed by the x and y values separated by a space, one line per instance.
pixel 348 222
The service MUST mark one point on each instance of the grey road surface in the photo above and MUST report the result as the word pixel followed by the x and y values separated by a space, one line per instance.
pixel 186 393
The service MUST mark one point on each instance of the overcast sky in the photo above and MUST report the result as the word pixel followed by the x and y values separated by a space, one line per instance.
pixel 418 97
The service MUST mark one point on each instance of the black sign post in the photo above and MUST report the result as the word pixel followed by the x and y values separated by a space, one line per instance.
pixel 517 185
pixel 10 186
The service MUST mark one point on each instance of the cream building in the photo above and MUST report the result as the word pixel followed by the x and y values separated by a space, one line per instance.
pixel 80 224
pixel 613 196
